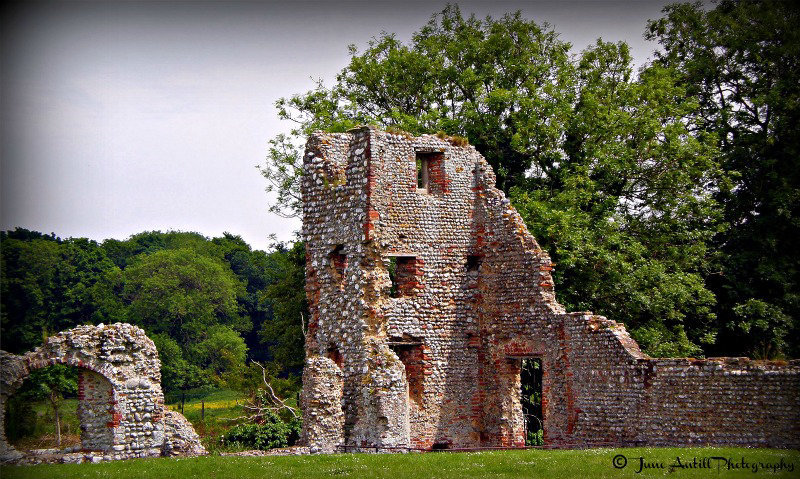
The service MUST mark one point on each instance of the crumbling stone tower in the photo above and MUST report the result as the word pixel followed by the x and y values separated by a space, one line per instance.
pixel 426 291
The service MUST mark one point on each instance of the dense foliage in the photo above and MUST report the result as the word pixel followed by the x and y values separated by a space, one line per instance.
pixel 667 196
pixel 741 61
pixel 270 433
pixel 208 304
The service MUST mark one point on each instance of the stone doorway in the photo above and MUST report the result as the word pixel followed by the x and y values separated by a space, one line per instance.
pixel 531 375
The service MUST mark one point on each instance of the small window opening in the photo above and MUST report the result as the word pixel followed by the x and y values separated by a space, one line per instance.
pixel 412 356
pixel 423 172
pixel 338 262
pixel 334 355
pixel 440 446
pixel 404 275
pixel 474 262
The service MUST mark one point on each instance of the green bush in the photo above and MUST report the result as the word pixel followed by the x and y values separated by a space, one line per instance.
pixel 272 433
pixel 535 438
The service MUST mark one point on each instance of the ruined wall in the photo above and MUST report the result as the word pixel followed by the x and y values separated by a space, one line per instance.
pixel 433 361
pixel 121 405
pixel 626 397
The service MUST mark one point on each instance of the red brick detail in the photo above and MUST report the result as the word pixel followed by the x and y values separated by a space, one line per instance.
pixel 408 276
pixel 439 183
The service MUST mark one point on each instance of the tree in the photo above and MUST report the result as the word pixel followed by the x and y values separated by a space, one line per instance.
pixel 223 351
pixel 182 294
pixel 251 267
pixel 52 383
pixel 28 279
pixel 742 61
pixel 176 372
pixel 505 84
pixel 49 285
pixel 629 221
pixel 285 293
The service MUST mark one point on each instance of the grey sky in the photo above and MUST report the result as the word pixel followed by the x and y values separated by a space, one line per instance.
pixel 124 117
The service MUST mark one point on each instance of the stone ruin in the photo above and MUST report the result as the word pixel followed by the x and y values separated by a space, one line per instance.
pixel 426 291
pixel 120 403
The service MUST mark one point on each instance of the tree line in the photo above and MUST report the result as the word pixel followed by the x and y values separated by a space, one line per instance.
pixel 667 195
pixel 209 305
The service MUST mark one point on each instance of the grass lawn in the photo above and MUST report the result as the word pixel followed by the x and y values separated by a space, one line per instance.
pixel 213 414
pixel 583 464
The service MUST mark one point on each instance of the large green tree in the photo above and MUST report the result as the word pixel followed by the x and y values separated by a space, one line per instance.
pixel 283 331
pixel 182 294
pixel 49 284
pixel 741 60
pixel 506 84
pixel 631 210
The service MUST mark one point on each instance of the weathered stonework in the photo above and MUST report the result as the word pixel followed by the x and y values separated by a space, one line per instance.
pixel 433 360
pixel 120 402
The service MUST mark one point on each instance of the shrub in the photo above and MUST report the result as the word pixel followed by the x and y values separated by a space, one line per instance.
pixel 272 433
pixel 535 438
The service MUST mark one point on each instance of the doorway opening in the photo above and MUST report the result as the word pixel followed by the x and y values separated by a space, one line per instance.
pixel 531 400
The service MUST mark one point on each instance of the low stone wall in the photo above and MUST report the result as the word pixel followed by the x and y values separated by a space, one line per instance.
pixel 121 405
pixel 624 397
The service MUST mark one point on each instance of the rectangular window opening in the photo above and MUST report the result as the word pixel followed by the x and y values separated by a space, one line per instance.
pixel 404 275
pixel 334 355
pixel 431 175
pixel 423 172
pixel 338 261
pixel 474 262
pixel 412 356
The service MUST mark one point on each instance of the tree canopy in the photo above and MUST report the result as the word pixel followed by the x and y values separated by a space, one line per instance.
pixel 741 60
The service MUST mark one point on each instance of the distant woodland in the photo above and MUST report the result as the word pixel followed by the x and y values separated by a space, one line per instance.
pixel 209 305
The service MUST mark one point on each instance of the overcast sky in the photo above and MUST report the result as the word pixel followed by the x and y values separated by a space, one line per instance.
pixel 120 117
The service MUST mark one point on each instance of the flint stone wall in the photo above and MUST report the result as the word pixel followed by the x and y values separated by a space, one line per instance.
pixel 435 361
pixel 121 405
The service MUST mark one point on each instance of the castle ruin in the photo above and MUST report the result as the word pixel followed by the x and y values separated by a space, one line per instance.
pixel 426 292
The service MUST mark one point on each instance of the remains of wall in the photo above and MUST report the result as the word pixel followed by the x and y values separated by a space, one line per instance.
pixel 120 402
pixel 426 292
pixel 629 398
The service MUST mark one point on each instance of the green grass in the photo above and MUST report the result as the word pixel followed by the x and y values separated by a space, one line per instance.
pixel 582 464
pixel 212 415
